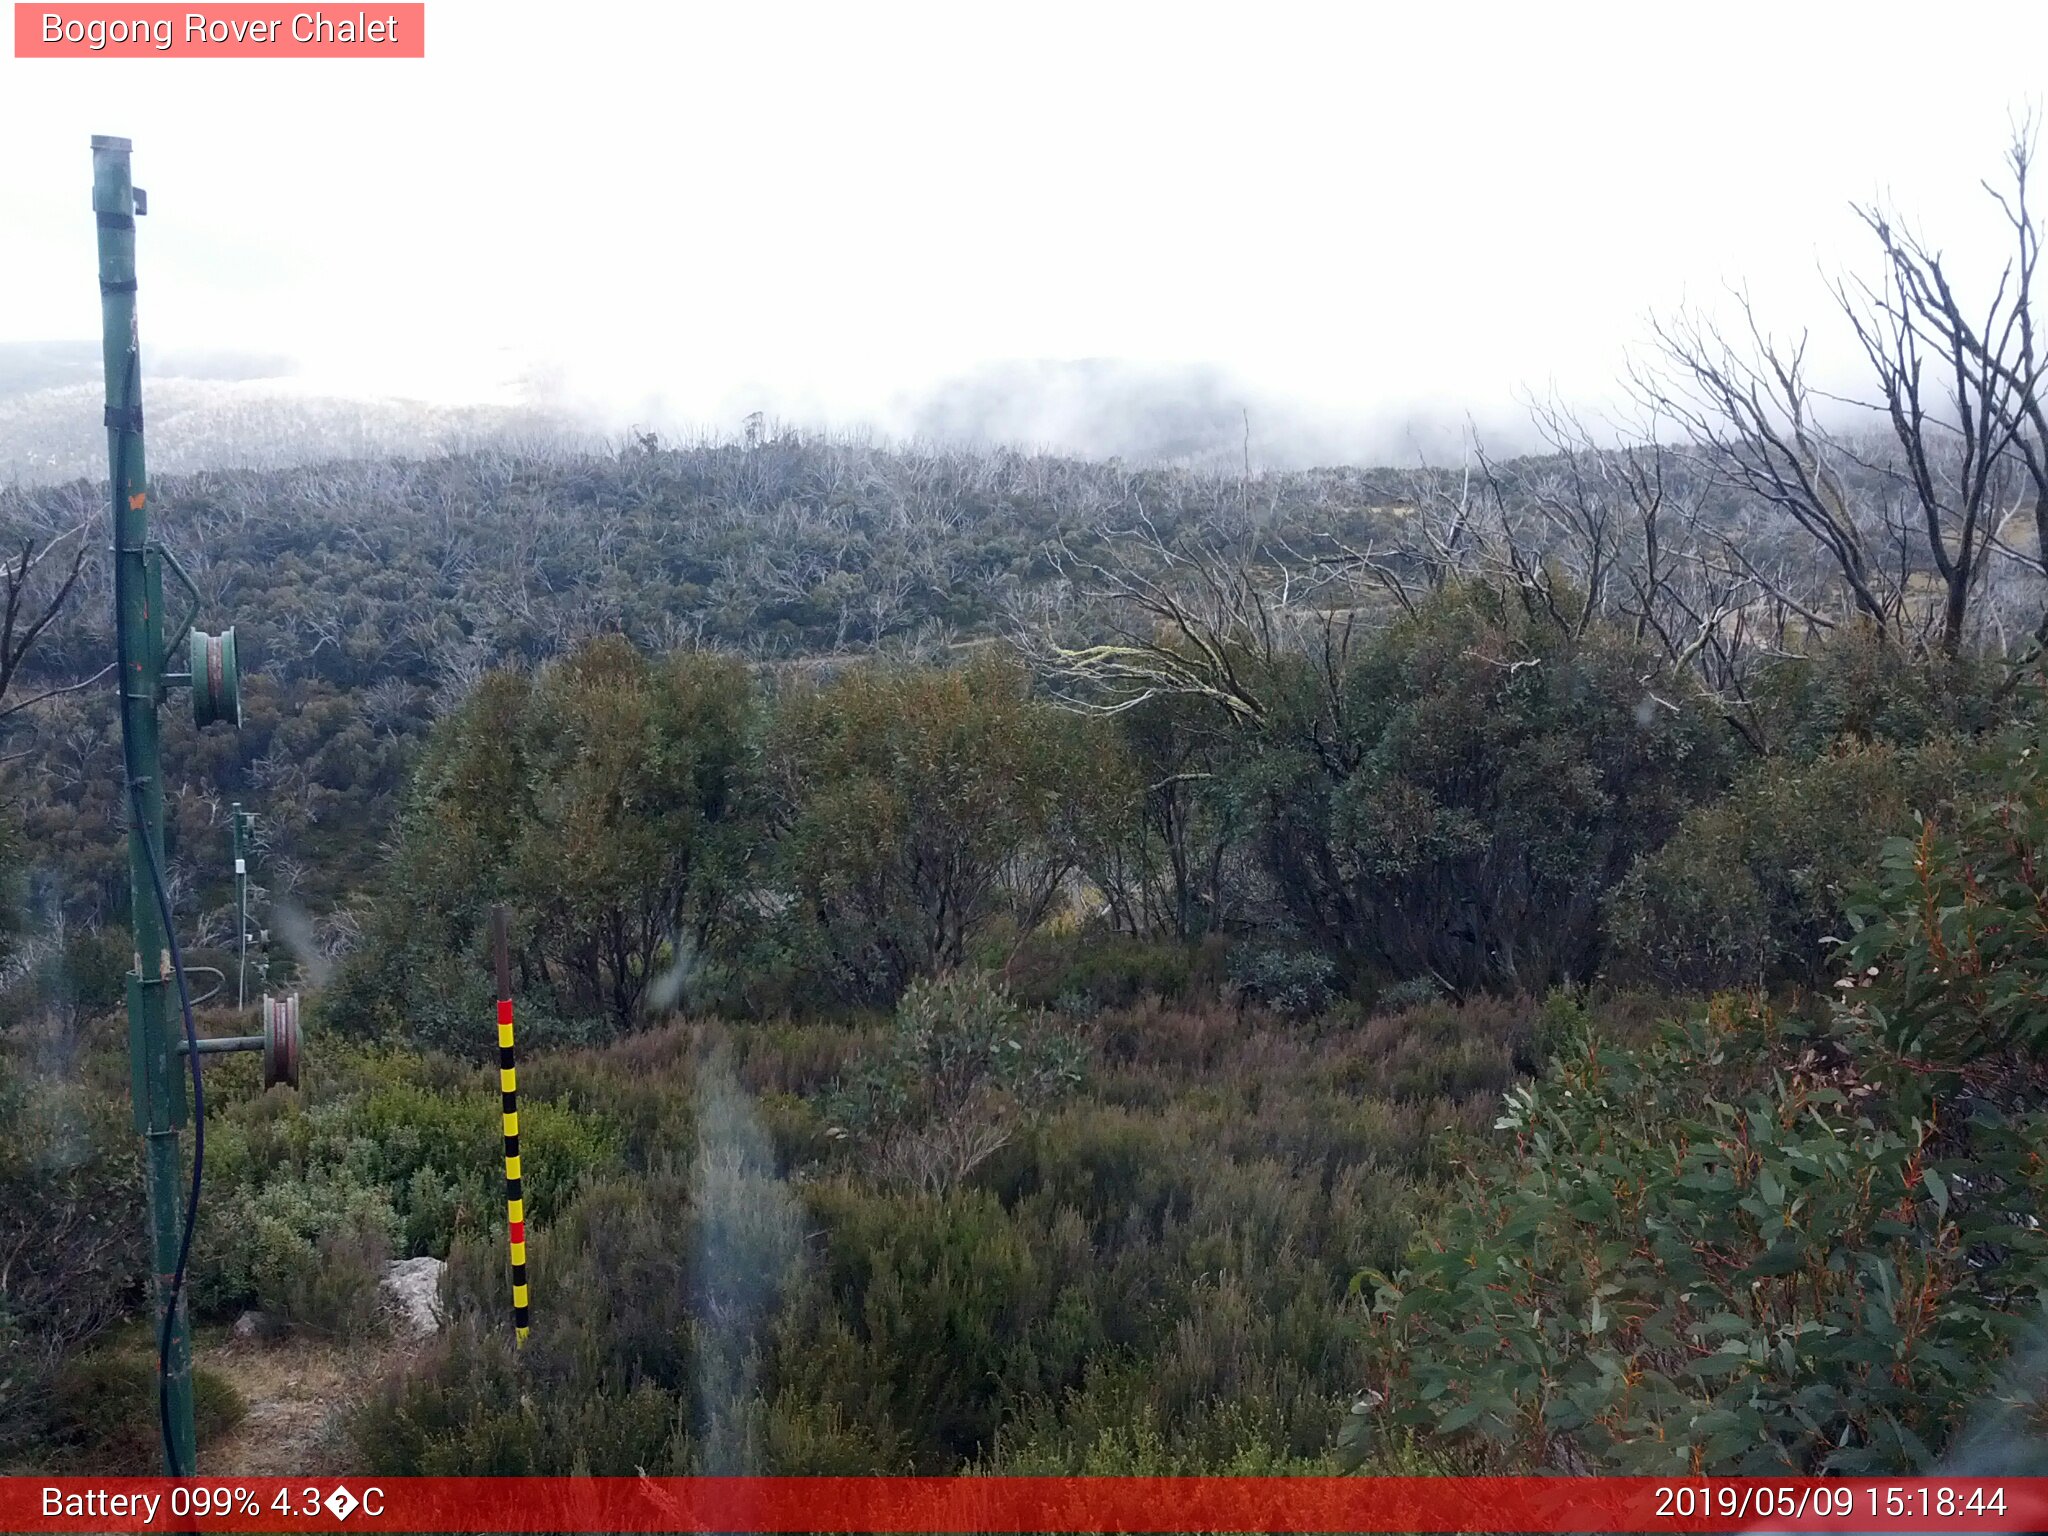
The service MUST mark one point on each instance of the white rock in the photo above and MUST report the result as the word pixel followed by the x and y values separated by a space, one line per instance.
pixel 412 1296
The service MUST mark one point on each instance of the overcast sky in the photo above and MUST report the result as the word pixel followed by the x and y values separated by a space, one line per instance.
pixel 683 211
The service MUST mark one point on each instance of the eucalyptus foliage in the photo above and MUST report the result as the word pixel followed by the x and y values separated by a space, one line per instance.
pixel 1957 921
pixel 1755 1247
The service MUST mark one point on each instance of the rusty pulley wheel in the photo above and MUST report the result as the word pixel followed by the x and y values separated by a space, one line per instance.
pixel 216 679
pixel 281 1041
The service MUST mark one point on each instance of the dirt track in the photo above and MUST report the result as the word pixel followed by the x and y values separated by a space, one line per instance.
pixel 297 1391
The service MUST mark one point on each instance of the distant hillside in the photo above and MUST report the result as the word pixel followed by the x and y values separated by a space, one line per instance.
pixel 227 410
pixel 370 590
pixel 213 417
pixel 26 366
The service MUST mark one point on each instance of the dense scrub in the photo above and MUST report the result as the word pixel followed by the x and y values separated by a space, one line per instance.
pixel 934 1063
pixel 1760 1245
pixel 1453 804
pixel 1146 1264
pixel 976 1234
pixel 369 597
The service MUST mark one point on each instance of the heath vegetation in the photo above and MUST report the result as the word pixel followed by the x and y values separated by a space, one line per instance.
pixel 1042 966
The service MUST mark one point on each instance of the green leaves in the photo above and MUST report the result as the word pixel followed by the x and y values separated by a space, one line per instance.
pixel 1455 797
pixel 914 813
pixel 962 1069
pixel 1951 939
pixel 1735 1245
pixel 1936 1188
pixel 609 802
pixel 1355 1438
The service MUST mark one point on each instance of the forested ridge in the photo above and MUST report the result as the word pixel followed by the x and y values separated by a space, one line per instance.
pixel 367 596
pixel 1035 965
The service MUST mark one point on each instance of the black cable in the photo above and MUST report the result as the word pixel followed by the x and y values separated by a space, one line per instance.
pixel 163 1352
pixel 129 426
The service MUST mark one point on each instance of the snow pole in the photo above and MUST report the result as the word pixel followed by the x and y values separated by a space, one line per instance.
pixel 508 1088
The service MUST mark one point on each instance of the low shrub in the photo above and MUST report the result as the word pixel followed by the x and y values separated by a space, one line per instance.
pixel 1297 983
pixel 1951 925
pixel 1745 1249
pixel 1092 971
pixel 1443 1050
pixel 395 1153
pixel 1751 886
pixel 1166 1241
pixel 72 1252
pixel 102 1417
pixel 962 1068
pixel 310 1251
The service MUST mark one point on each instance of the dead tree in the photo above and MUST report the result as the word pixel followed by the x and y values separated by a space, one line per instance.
pixel 1190 625
pixel 1955 430
pixel 1631 530
pixel 34 587
pixel 1926 502
pixel 1984 450
pixel 1750 412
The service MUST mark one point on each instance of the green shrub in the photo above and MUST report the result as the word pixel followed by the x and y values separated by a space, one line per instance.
pixel 461 1413
pixel 1561 1028
pixel 951 1304
pixel 1109 1428
pixel 1086 972
pixel 702 1314
pixel 627 1104
pixel 962 1068
pixel 89 973
pixel 1444 1051
pixel 1750 887
pixel 608 799
pixel 1457 795
pixel 102 1413
pixel 1858 688
pixel 1745 1249
pixel 1952 929
pixel 72 1250
pixel 307 1250
pixel 443 1151
pixel 71 982
pixel 398 1151
pixel 1407 993
pixel 1292 982
pixel 918 811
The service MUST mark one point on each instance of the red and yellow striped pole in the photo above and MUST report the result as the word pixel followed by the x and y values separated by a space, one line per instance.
pixel 508 1087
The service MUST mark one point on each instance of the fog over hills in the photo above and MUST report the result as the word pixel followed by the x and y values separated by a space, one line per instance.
pixel 28 366
pixel 210 410
pixel 218 410
pixel 1196 416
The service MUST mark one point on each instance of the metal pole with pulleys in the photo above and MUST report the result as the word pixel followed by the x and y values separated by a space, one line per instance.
pixel 156 1089
pixel 162 1047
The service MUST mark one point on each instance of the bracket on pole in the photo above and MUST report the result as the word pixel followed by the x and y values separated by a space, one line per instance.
pixel 279 1042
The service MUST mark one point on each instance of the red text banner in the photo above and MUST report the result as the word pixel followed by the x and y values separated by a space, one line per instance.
pixel 225 31
pixel 1024 1504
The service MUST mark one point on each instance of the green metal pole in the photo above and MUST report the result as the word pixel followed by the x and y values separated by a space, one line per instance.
pixel 156 1085
pixel 241 910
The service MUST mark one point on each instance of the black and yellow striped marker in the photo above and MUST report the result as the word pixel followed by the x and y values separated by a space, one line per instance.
pixel 508 1088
